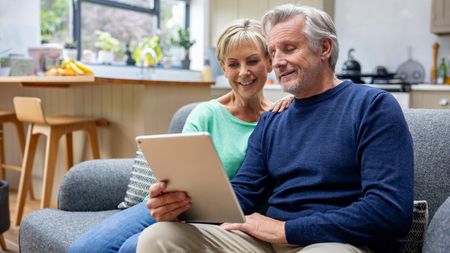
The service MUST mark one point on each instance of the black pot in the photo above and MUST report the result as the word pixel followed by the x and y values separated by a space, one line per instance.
pixel 4 206
pixel 351 66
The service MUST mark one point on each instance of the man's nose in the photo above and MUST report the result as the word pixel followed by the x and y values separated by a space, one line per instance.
pixel 278 60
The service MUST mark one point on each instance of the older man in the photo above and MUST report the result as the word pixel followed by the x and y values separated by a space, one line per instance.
pixel 337 165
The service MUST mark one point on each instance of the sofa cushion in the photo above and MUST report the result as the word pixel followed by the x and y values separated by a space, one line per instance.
pixel 437 238
pixel 140 181
pixel 413 241
pixel 53 230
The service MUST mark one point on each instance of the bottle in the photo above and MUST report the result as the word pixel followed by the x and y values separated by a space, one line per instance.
pixel 447 80
pixel 207 71
pixel 442 72
pixel 128 57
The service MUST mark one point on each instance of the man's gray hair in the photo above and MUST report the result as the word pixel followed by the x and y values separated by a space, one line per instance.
pixel 318 25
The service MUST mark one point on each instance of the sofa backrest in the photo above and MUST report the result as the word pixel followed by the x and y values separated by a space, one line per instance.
pixel 180 116
pixel 430 130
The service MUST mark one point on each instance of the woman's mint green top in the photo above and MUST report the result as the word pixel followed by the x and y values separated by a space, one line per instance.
pixel 228 133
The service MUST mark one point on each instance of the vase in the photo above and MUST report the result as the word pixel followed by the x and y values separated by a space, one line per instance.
pixel 105 57
pixel 185 64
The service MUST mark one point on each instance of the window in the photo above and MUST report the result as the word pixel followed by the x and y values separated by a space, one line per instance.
pixel 56 21
pixel 128 21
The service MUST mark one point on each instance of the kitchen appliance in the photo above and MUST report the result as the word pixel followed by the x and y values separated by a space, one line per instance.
pixel 46 53
pixel 411 71
pixel 351 68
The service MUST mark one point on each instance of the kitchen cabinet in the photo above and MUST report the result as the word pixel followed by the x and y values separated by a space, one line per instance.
pixel 223 13
pixel 430 99
pixel 440 16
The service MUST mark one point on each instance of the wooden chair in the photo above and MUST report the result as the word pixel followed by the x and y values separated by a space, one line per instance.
pixel 29 110
pixel 10 117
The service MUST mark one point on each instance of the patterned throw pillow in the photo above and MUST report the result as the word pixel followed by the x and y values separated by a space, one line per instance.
pixel 413 241
pixel 140 181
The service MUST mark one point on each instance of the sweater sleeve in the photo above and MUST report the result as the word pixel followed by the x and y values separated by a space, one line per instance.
pixel 251 182
pixel 385 159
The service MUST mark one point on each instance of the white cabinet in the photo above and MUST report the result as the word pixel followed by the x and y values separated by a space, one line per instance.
pixel 440 17
pixel 224 12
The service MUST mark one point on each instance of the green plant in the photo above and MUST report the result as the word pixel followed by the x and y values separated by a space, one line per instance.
pixel 183 40
pixel 104 41
pixel 3 61
pixel 152 43
pixel 52 21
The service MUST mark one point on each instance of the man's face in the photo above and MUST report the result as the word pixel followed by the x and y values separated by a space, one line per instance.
pixel 297 66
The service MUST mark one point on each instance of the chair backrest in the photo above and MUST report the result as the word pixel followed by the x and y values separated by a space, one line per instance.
pixel 29 109
pixel 430 130
pixel 179 118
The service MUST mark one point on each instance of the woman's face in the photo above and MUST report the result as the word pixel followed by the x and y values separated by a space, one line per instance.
pixel 246 69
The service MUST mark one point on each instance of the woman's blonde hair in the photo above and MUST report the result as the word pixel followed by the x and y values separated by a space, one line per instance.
pixel 241 31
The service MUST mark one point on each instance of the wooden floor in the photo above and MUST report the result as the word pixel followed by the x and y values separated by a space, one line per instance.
pixel 12 235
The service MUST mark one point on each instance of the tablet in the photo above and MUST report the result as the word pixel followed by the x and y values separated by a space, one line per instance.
pixel 189 162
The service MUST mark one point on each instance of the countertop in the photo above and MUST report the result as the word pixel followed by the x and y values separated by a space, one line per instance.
pixel 65 81
pixel 414 87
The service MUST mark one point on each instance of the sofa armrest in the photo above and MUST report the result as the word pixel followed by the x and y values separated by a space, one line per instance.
pixel 437 237
pixel 95 185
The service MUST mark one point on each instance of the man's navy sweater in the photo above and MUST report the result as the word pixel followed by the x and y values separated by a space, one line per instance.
pixel 337 167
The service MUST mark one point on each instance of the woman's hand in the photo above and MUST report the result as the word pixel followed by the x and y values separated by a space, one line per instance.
pixel 282 104
pixel 167 206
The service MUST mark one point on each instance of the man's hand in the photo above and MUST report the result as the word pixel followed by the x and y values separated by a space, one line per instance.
pixel 261 227
pixel 167 206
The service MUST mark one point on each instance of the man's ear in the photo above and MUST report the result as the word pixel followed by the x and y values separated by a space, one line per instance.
pixel 269 65
pixel 326 47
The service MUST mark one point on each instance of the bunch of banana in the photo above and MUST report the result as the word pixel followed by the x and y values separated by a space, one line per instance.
pixel 69 67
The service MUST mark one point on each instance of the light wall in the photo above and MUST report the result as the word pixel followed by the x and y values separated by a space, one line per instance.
pixel 381 31
pixel 19 25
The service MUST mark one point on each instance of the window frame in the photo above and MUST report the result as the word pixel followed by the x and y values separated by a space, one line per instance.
pixel 155 11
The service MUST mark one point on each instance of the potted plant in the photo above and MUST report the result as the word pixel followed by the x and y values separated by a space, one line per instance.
pixel 107 45
pixel 183 40
pixel 4 64
pixel 70 50
pixel 149 59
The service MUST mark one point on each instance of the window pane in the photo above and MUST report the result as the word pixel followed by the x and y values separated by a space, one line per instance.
pixel 55 21
pixel 173 15
pixel 125 25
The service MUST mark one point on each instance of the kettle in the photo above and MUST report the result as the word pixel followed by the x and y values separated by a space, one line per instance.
pixel 351 66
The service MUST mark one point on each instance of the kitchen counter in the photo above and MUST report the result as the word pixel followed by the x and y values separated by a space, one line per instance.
pixel 413 96
pixel 431 87
pixel 66 81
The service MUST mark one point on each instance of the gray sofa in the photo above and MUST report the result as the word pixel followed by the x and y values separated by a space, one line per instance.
pixel 92 190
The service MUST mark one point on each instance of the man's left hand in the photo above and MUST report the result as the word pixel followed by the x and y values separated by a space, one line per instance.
pixel 261 227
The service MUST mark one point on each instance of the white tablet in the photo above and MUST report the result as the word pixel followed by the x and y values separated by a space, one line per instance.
pixel 189 162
